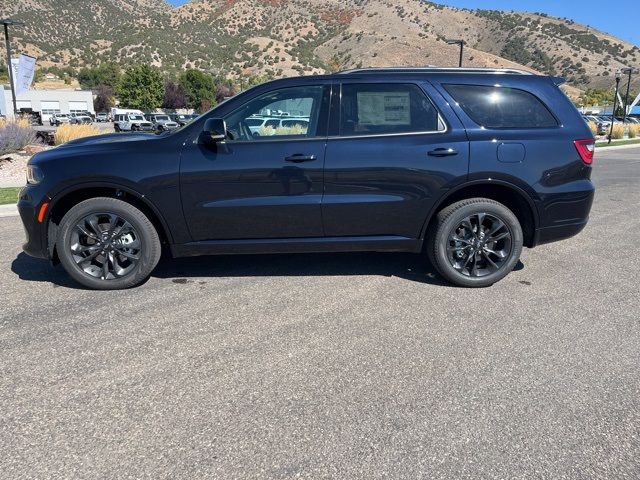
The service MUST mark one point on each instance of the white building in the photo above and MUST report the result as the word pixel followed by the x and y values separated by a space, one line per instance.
pixel 47 101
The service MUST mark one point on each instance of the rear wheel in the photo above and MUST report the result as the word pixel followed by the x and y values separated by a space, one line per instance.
pixel 475 242
pixel 107 244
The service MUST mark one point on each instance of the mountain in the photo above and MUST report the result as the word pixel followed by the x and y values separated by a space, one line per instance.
pixel 287 37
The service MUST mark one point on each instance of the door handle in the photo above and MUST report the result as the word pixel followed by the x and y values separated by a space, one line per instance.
pixel 443 152
pixel 299 158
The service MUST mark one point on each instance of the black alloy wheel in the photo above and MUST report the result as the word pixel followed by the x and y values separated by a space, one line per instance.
pixel 479 245
pixel 475 242
pixel 107 244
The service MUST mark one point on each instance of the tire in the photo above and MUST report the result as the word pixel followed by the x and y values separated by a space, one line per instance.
pixel 131 254
pixel 465 255
pixel 116 128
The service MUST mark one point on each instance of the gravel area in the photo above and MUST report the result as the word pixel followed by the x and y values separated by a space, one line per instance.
pixel 12 169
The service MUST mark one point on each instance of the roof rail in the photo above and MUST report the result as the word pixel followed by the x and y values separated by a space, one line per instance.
pixel 434 69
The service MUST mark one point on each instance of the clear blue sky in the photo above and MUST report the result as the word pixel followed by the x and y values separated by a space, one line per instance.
pixel 618 17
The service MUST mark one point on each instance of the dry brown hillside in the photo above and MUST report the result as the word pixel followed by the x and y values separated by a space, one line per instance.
pixel 285 37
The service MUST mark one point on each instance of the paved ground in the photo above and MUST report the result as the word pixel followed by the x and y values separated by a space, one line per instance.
pixel 343 366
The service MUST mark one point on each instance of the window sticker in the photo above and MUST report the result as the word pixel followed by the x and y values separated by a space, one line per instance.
pixel 384 108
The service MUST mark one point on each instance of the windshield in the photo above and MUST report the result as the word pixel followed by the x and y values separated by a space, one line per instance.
pixel 136 117
pixel 162 117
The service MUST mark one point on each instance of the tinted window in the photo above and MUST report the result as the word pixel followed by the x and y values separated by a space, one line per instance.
pixel 501 107
pixel 370 109
pixel 302 102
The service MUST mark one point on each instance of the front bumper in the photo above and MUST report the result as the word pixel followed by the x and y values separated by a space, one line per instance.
pixel 29 203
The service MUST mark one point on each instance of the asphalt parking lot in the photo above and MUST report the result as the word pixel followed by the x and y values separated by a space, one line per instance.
pixel 332 366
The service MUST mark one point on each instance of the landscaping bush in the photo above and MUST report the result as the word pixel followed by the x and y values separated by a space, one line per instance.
pixel 15 135
pixel 618 131
pixel 67 132
pixel 594 128
pixel 634 131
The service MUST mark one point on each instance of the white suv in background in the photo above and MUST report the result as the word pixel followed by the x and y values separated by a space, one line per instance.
pixel 131 122
pixel 58 118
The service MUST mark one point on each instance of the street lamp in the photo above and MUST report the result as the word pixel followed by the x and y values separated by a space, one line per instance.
pixel 615 102
pixel 6 22
pixel 628 70
pixel 457 42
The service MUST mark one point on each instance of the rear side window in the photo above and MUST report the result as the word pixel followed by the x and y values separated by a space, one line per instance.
pixel 377 109
pixel 501 107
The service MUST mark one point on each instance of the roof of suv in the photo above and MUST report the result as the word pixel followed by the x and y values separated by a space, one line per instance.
pixel 432 69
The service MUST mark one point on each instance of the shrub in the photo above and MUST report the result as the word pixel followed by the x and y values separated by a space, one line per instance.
pixel 634 130
pixel 67 132
pixel 594 128
pixel 15 135
pixel 267 131
pixel 618 131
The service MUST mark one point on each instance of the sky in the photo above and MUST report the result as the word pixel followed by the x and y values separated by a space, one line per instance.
pixel 620 17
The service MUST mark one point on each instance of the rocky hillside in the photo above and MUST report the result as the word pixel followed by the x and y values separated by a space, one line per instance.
pixel 286 37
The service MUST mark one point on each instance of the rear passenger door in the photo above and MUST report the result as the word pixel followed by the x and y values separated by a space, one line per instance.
pixel 393 150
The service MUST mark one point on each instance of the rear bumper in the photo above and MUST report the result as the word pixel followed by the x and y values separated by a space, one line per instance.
pixel 565 214
pixel 557 233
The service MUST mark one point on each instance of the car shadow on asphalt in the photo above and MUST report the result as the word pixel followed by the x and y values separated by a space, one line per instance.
pixel 40 270
pixel 403 265
pixel 408 266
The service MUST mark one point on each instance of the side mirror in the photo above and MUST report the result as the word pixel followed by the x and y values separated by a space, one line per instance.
pixel 215 130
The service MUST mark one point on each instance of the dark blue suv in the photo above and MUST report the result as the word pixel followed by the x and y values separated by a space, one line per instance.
pixel 464 165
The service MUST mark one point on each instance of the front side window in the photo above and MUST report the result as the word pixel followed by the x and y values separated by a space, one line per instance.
pixel 269 115
pixel 378 109
pixel 501 107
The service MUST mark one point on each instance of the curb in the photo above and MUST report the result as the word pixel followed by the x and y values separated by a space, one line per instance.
pixel 10 210
pixel 617 147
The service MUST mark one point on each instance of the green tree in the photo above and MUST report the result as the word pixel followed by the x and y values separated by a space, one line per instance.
pixel 200 89
pixel 141 87
pixel 103 100
pixel 105 74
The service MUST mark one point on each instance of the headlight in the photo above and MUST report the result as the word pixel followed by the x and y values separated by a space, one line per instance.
pixel 34 175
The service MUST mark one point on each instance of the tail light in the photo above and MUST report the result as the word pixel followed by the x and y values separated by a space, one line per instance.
pixel 585 149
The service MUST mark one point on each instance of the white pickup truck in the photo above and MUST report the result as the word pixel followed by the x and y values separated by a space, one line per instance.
pixel 131 122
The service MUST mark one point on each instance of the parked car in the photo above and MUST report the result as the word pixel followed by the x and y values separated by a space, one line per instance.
pixel 467 166
pixel 58 119
pixel 132 122
pixel 269 125
pixel 35 118
pixel 80 118
pixel 161 122
pixel 183 119
pixel 102 117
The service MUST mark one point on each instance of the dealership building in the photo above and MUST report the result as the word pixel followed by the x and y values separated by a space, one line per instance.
pixel 47 102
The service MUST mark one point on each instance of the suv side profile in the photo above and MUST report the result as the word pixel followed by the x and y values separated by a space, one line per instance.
pixel 465 166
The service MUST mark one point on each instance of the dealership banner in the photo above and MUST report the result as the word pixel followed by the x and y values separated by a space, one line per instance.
pixel 25 72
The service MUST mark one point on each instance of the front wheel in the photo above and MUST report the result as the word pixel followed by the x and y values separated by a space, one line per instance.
pixel 475 242
pixel 107 244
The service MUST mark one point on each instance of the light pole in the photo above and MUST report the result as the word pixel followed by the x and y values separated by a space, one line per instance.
pixel 628 70
pixel 457 42
pixel 615 102
pixel 6 22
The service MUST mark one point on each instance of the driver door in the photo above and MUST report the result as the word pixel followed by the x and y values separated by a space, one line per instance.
pixel 263 183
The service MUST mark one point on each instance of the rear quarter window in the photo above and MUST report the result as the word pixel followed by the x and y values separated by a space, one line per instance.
pixel 502 107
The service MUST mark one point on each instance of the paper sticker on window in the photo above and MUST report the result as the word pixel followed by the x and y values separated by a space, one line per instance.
pixel 384 108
